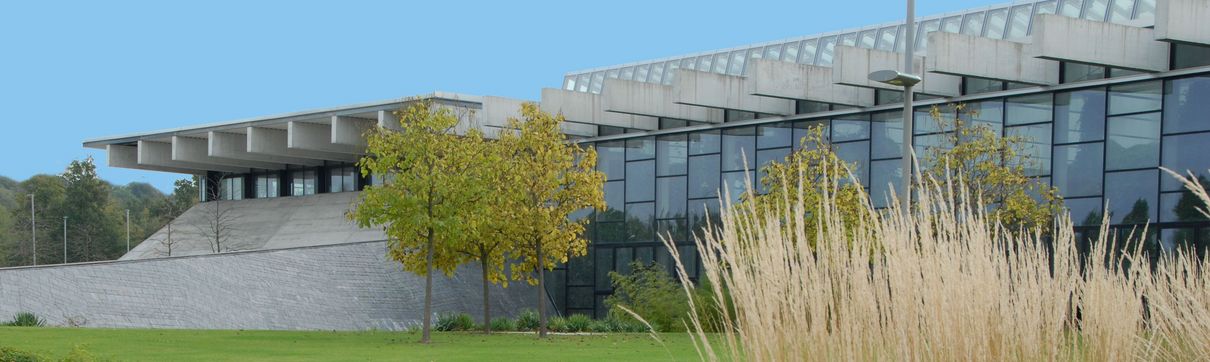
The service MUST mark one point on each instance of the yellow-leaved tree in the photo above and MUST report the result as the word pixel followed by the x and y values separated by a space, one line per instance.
pixel 488 241
pixel 428 204
pixel 549 179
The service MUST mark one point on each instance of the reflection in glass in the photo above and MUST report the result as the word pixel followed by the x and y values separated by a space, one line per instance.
pixel 886 133
pixel 641 148
pixel 1134 97
pixel 704 142
pixel 611 159
pixel 671 152
pixel 857 154
pixel 640 222
pixel 1134 141
pixel 1077 169
pixel 640 179
pixel 1027 109
pixel 1084 211
pixel 1035 147
pixel 1080 116
pixel 764 158
pixel 1131 196
pixel 615 199
pixel 670 197
pixel 774 135
pixel 739 148
pixel 1187 104
pixel 702 211
pixel 885 175
pixel 1075 72
pixel 703 176
pixel 1183 154
pixel 850 129
pixel 1189 55
pixel 736 184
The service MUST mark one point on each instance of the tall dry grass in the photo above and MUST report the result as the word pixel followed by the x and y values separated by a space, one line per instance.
pixel 940 283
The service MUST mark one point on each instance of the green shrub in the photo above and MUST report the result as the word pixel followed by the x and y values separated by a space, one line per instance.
pixel 652 294
pixel 26 319
pixel 454 322
pixel 599 326
pixel 578 323
pixel 15 355
pixel 80 354
pixel 503 324
pixel 527 320
pixel 557 324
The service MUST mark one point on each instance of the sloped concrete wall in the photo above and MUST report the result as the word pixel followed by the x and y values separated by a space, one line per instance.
pixel 333 287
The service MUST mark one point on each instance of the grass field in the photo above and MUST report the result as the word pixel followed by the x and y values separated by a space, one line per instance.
pixel 225 345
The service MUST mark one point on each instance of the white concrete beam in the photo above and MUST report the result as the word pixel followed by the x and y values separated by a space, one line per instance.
pixel 586 107
pixel 128 157
pixel 273 142
pixel 1183 21
pixel 388 120
pixel 852 66
pixel 966 55
pixel 159 154
pixel 711 90
pixel 315 137
pixel 652 100
pixel 1097 42
pixel 234 146
pixel 197 151
pixel 771 78
pixel 350 131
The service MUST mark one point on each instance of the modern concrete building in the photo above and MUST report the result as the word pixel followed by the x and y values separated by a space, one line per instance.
pixel 1107 92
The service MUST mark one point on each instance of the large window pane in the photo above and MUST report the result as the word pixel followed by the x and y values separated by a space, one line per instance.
pixel 1134 142
pixel 701 212
pixel 1078 169
pixel 703 176
pixel 774 136
pixel 850 129
pixel 1080 116
pixel 857 154
pixel 671 152
pixel 1027 109
pixel 1187 105
pixel 1188 56
pixel 640 181
pixel 1075 72
pixel 886 133
pixel 640 222
pixel 704 142
pixel 1180 206
pixel 803 128
pixel 670 197
pixel 1084 211
pixel 641 148
pixel 884 176
pixel 611 159
pixel 1132 196
pixel 1134 97
pixel 1185 153
pixel 736 184
pixel 986 113
pixel 739 148
pixel 615 199
pixel 1035 147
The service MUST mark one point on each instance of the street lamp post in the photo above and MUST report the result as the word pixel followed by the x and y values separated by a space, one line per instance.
pixel 127 230
pixel 33 228
pixel 64 240
pixel 906 80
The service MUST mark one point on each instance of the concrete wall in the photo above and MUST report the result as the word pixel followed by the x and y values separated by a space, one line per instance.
pixel 1182 21
pixel 853 66
pixel 714 90
pixel 334 287
pixel 1096 42
pixel 958 54
pixel 770 78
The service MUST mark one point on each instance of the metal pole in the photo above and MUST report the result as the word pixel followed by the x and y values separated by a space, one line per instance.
pixel 64 240
pixel 33 227
pixel 909 52
pixel 127 230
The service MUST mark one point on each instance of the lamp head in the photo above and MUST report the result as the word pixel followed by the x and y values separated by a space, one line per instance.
pixel 895 78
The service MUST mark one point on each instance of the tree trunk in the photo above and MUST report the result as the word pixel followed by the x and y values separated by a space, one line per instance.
pixel 428 290
pixel 541 293
pixel 487 308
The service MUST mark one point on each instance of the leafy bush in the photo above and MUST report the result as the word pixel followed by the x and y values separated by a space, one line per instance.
pixel 454 322
pixel 557 324
pixel 578 323
pixel 503 324
pixel 15 355
pixel 652 294
pixel 527 320
pixel 80 354
pixel 26 319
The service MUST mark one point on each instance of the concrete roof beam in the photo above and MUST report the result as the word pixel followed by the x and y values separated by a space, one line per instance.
pixel 652 100
pixel 274 142
pixel 584 107
pixel 351 131
pixel 852 66
pixel 1096 42
pixel 159 154
pixel 966 55
pixel 1182 21
pixel 128 157
pixel 712 90
pixel 770 78
pixel 197 151
pixel 234 146
pixel 315 137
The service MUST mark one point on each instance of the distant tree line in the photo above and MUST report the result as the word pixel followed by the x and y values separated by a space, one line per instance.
pixel 95 211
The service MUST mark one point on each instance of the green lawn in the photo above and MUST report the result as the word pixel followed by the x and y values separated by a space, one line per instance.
pixel 204 345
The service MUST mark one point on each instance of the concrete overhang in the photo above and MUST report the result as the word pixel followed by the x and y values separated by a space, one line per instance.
pixel 159 154
pixel 966 55
pixel 1183 21
pixel 123 156
pixel 234 146
pixel 196 151
pixel 652 100
pixel 316 137
pixel 1096 42
pixel 273 142
pixel 852 66
pixel 777 79
pixel 584 107
pixel 712 90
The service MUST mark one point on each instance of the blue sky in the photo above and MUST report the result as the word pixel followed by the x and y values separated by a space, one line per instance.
pixel 70 71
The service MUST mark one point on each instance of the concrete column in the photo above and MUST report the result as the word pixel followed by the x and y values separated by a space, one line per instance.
pixel 274 142
pixel 388 120
pixel 711 90
pixel 234 146
pixel 196 151
pixel 159 154
pixel 1182 21
pixel 350 131
pixel 314 137
pixel 652 100
pixel 1096 42
pixel 853 66
pixel 966 55
pixel 771 78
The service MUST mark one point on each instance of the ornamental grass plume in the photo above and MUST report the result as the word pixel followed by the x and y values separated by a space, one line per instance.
pixel 939 282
